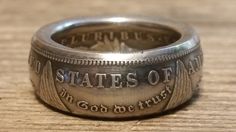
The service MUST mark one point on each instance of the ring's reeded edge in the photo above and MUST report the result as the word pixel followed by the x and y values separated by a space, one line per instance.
pixel 115 85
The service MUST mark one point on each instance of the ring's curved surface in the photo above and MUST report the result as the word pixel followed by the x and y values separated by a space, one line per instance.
pixel 115 66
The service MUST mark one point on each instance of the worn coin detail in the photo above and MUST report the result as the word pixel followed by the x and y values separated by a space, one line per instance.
pixel 115 69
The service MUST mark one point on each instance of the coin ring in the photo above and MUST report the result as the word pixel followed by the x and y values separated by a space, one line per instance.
pixel 115 67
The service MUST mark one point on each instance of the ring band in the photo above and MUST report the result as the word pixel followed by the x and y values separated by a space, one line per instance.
pixel 115 67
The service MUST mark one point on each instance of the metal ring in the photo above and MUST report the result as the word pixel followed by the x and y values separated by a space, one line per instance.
pixel 115 67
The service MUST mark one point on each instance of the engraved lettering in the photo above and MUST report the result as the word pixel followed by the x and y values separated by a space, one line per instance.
pixel 124 36
pixel 60 75
pixel 86 81
pixel 153 77
pixel 100 78
pixel 94 108
pixel 37 66
pixel 167 73
pixel 34 64
pixel 69 98
pixel 131 80
pixel 116 81
pixel 148 103
pixel 119 109
pixel 150 37
pixel 82 104
pixel 156 99
pixel 111 36
pixel 103 108
pixel 140 104
pixel 163 94
pixel 131 108
pixel 195 64
pixel 66 96
pixel 138 35
pixel 198 62
pixel 73 75
pixel 74 40
pixel 98 36
pixel 64 41
pixel 191 68
pixel 63 93
pixel 111 80
pixel 168 89
pixel 84 37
